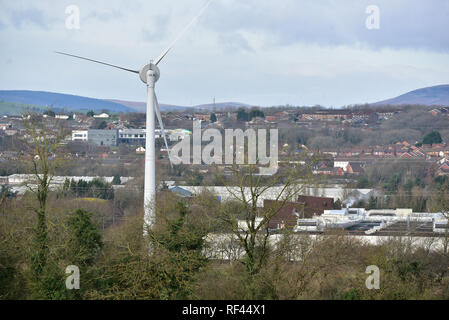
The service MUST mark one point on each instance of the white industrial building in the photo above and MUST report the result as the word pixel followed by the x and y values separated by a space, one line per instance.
pixel 227 193
pixel 401 220
pixel 16 179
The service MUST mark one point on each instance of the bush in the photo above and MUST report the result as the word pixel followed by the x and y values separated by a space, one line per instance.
pixel 431 138
pixel 84 238
pixel 96 188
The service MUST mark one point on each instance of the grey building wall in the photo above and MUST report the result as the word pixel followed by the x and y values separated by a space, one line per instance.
pixel 107 138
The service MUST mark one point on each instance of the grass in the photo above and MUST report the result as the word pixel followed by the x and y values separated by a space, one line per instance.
pixel 17 109
pixel 91 200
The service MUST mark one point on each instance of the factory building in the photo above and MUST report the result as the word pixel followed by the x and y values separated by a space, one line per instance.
pixel 106 138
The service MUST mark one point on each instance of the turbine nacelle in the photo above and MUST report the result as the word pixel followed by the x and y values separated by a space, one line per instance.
pixel 144 70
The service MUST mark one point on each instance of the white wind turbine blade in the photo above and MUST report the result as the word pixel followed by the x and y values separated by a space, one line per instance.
pixel 182 33
pixel 159 119
pixel 96 61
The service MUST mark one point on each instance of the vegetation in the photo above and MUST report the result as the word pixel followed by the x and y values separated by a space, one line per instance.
pixel 99 124
pixel 50 113
pixel 116 180
pixel 99 229
pixel 431 138
pixel 18 109
pixel 41 146
pixel 243 115
pixel 96 188
pixel 115 264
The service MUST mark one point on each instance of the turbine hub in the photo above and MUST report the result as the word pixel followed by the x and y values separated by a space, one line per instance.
pixel 145 69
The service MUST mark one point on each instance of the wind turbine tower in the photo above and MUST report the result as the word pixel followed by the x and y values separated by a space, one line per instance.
pixel 150 74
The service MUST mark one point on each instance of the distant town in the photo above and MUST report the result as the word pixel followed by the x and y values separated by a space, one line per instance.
pixel 389 149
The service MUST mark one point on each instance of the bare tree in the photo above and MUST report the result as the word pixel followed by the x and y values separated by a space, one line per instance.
pixel 253 234
pixel 42 144
pixel 442 206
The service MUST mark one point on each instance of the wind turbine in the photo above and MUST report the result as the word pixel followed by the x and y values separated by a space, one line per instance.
pixel 149 74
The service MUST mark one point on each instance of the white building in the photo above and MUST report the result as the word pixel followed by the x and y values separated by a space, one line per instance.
pixel 399 212
pixel 341 164
pixel 80 135
pixel 21 179
pixel 243 225
pixel 5 126
pixel 101 116
pixel 62 116
pixel 440 223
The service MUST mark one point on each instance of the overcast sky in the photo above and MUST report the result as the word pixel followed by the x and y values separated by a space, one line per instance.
pixel 260 52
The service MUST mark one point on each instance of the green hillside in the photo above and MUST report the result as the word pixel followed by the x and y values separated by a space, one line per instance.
pixel 17 109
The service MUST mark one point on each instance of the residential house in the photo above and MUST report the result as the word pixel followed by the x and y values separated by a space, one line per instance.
pixel 5 126
pixel 443 170
pixel 101 116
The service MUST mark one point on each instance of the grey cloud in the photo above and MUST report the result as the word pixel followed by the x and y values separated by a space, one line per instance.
pixel 105 15
pixel 411 24
pixel 28 15
pixel 278 32
pixel 158 28
pixel 234 41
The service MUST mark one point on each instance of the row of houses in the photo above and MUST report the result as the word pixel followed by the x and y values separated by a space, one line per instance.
pixel 443 111
pixel 346 115
pixel 402 149
pixel 339 168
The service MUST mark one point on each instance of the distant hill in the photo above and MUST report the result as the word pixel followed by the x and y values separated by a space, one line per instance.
pixel 17 101
pixel 141 106
pixel 59 101
pixel 436 95
pixel 222 105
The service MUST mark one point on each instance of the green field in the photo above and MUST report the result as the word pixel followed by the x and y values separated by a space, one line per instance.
pixel 16 109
